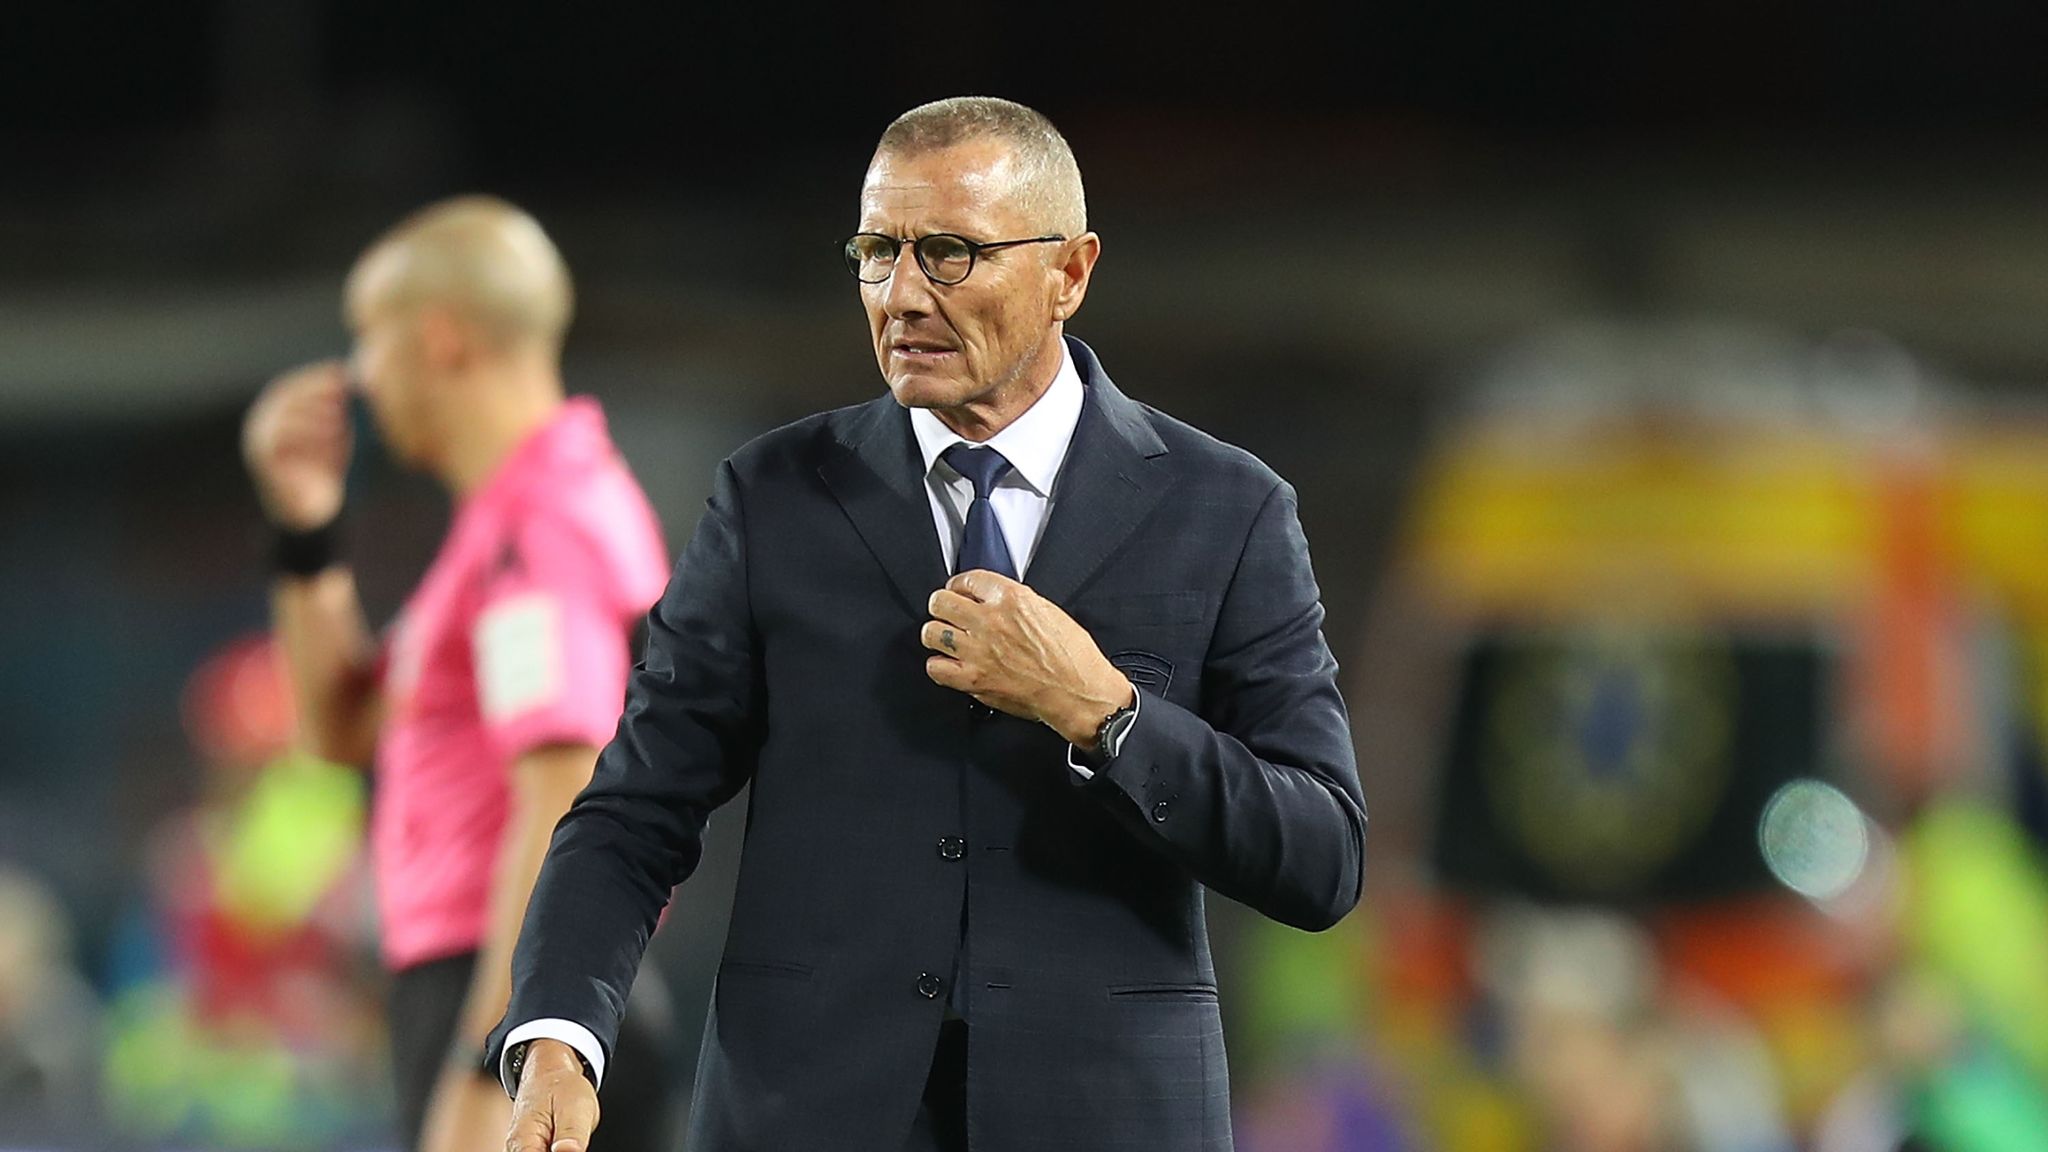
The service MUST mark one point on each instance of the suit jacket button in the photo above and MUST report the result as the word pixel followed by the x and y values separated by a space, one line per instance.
pixel 952 847
pixel 1159 812
pixel 929 986
pixel 979 710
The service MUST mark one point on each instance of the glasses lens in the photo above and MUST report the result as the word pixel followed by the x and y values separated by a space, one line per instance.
pixel 946 258
pixel 871 257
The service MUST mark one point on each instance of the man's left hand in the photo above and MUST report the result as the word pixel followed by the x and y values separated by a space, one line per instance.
pixel 1012 649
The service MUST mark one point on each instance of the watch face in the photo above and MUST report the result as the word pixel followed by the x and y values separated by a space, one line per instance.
pixel 1114 732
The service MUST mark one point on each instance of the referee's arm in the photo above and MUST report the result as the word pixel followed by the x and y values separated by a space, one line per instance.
pixel 296 443
pixel 331 659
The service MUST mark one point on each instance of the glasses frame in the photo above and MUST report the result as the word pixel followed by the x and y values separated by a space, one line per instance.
pixel 974 250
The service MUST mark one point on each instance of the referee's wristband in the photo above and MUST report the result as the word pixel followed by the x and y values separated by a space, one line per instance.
pixel 305 552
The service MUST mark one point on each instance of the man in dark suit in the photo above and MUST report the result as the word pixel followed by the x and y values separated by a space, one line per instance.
pixel 984 808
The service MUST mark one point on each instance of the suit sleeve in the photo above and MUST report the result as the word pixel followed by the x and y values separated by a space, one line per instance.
pixel 1257 794
pixel 686 744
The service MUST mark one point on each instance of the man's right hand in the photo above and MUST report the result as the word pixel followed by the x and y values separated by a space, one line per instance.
pixel 557 1105
pixel 296 442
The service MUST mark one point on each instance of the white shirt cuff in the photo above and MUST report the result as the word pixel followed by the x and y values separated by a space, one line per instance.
pixel 569 1032
pixel 1082 770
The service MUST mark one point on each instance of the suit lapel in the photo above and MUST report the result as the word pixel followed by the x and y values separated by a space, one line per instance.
pixel 1109 483
pixel 877 477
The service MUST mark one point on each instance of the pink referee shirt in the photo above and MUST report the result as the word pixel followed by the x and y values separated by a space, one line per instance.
pixel 518 637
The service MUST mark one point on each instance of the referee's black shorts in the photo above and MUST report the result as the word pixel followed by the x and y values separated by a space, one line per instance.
pixel 639 1080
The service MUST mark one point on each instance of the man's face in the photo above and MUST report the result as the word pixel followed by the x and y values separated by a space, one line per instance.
pixel 387 362
pixel 946 346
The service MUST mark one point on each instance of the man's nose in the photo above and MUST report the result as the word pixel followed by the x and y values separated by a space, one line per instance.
pixel 352 375
pixel 907 291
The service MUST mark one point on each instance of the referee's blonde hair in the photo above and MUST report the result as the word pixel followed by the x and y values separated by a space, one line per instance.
pixel 483 258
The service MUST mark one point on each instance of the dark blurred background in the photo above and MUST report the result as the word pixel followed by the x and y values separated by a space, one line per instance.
pixel 1663 383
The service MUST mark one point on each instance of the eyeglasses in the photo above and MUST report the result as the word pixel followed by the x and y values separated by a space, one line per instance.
pixel 945 258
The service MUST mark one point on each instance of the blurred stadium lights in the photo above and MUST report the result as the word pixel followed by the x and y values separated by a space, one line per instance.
pixel 1815 839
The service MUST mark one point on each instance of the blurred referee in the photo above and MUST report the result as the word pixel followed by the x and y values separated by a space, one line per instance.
pixel 484 705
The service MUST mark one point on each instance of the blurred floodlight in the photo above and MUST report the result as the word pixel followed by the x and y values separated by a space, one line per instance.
pixel 1814 839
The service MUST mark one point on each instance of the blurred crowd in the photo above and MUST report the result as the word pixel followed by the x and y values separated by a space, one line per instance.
pixel 1724 653
pixel 238 1004
pixel 1703 710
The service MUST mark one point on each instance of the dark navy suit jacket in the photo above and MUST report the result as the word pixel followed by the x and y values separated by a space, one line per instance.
pixel 901 835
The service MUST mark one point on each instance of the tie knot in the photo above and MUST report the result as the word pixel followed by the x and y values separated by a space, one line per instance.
pixel 983 466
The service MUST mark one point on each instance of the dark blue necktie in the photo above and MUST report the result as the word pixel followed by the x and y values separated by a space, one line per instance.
pixel 982 544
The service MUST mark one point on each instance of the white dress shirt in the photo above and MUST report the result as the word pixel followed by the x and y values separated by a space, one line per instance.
pixel 1036 445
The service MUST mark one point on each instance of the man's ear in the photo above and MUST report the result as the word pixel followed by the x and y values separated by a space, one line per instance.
pixel 1076 266
pixel 445 340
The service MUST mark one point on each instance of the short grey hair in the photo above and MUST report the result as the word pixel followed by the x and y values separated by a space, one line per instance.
pixel 1048 177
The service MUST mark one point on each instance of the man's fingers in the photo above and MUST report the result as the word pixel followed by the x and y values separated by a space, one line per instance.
pixel 555 1117
pixel 575 1116
pixel 311 427
pixel 982 584
pixel 325 408
pixel 297 421
pixel 532 1128
pixel 946 672
pixel 946 604
pixel 322 376
pixel 326 380
pixel 939 636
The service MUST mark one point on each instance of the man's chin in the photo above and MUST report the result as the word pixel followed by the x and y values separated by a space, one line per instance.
pixel 401 452
pixel 919 390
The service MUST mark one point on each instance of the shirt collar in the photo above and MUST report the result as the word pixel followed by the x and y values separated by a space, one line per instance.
pixel 1035 443
pixel 577 430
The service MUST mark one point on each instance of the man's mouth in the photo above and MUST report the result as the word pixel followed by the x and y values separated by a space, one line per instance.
pixel 922 350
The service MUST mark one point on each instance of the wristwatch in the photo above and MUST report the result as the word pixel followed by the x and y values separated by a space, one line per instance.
pixel 1116 727
pixel 515 1063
